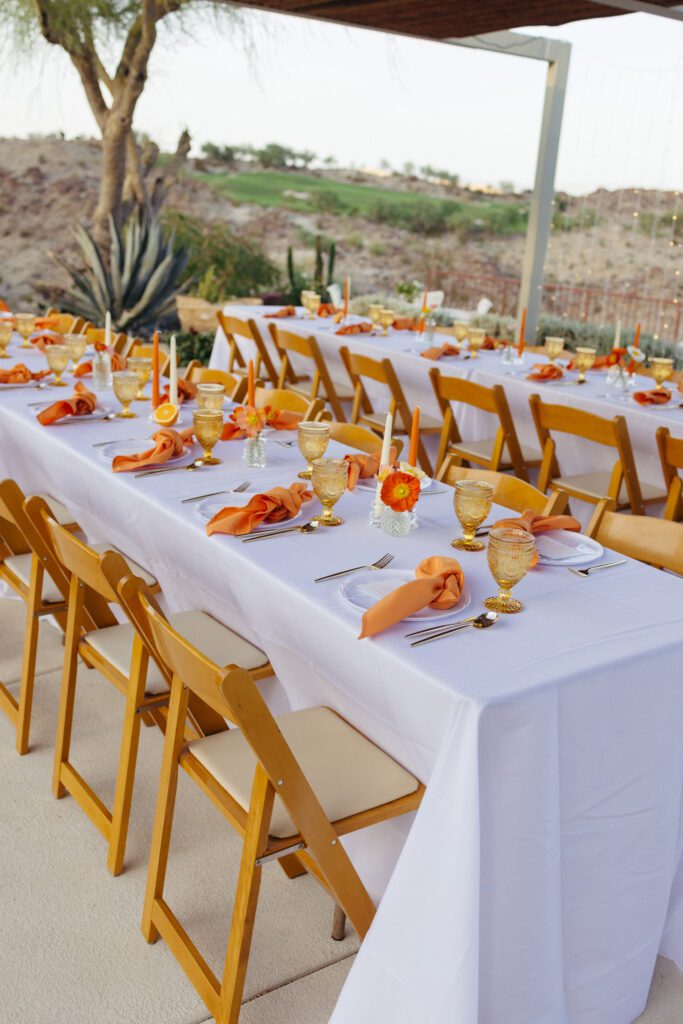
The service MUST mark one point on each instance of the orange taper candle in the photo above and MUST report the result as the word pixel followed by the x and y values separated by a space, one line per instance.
pixel 522 332
pixel 347 287
pixel 636 337
pixel 414 437
pixel 155 370
pixel 250 384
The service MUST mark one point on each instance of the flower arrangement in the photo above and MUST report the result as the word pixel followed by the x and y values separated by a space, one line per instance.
pixel 250 420
pixel 400 491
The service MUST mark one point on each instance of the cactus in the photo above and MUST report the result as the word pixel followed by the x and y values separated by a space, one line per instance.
pixel 322 274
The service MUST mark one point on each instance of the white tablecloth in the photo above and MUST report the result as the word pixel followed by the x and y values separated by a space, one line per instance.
pixel 542 873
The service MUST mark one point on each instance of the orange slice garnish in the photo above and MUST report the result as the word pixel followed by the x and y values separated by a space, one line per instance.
pixel 166 414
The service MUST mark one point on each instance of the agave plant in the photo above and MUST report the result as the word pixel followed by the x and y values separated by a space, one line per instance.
pixel 138 282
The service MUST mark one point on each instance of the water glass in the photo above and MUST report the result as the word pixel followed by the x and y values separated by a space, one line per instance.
pixel 472 503
pixel 330 479
pixel 141 366
pixel 313 439
pixel 6 329
pixel 510 555
pixel 386 319
pixel 208 427
pixel 477 337
pixel 661 369
pixel 76 346
pixel 584 359
pixel 125 385
pixel 26 325
pixel 554 347
pixel 210 396
pixel 57 359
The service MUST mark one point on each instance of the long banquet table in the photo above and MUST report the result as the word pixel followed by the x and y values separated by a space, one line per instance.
pixel 543 872
pixel 403 348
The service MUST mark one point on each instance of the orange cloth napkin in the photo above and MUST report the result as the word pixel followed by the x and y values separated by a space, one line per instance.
pixel 43 338
pixel 117 363
pixel 437 351
pixel 4 308
pixel 489 344
pixel 168 444
pixel 275 506
pixel 364 467
pixel 21 374
pixel 439 584
pixel 285 311
pixel 361 328
pixel 534 522
pixel 405 323
pixel 186 392
pixel 278 419
pixel 81 403
pixel 601 363
pixel 327 309
pixel 658 396
pixel 545 371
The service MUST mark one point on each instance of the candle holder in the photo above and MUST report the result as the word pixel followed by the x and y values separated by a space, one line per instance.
pixel 254 452
pixel 396 524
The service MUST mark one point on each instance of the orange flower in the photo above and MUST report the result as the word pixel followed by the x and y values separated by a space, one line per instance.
pixel 400 491
pixel 250 420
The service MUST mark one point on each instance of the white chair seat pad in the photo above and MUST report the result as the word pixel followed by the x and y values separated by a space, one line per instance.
pixel 20 566
pixel 596 485
pixel 60 512
pixel 137 569
pixel 348 773
pixel 219 643
pixel 484 450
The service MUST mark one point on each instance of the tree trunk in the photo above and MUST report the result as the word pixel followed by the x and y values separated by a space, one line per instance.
pixel 114 141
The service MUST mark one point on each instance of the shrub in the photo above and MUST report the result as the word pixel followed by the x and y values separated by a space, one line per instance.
pixel 377 249
pixel 219 154
pixel 194 346
pixel 327 201
pixel 574 332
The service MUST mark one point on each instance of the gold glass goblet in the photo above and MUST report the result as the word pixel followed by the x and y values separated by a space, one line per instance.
pixel 6 329
pixel 460 330
pixel 314 304
pixel 330 479
pixel 374 313
pixel 584 359
pixel 210 396
pixel 510 555
pixel 661 369
pixel 386 319
pixel 305 302
pixel 57 359
pixel 125 385
pixel 313 439
pixel 554 348
pixel 141 366
pixel 477 337
pixel 76 346
pixel 26 325
pixel 208 427
pixel 472 503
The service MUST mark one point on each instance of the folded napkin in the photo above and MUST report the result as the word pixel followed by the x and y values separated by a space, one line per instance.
pixel 438 351
pixel 187 391
pixel 489 344
pixel 545 371
pixel 405 323
pixel 21 374
pixel 534 522
pixel 601 363
pixel 81 403
pixel 41 339
pixel 4 308
pixel 362 328
pixel 117 363
pixel 285 311
pixel 658 396
pixel 439 584
pixel 327 309
pixel 275 506
pixel 278 419
pixel 168 444
pixel 365 467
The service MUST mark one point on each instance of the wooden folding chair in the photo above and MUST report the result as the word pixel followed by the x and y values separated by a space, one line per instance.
pixel 255 776
pixel 67 323
pixel 147 352
pixel 281 398
pixel 235 387
pixel 361 439
pixel 120 342
pixel 658 542
pixel 508 490
pixel 382 371
pixel 37 578
pixel 503 451
pixel 671 456
pixel 308 348
pixel 621 483
pixel 117 652
pixel 234 328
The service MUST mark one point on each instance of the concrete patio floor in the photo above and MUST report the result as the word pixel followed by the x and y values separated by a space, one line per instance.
pixel 71 951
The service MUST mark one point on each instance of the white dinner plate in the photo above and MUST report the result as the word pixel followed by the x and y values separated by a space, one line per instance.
pixel 27 384
pixel 114 448
pixel 579 549
pixel 365 589
pixel 371 484
pixel 206 510
pixel 178 423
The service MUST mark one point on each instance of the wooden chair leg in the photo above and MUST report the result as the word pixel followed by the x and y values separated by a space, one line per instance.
pixel 68 691
pixel 28 675
pixel 338 924
pixel 246 899
pixel 163 819
pixel 292 866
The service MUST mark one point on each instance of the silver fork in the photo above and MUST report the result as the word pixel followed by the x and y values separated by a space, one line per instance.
pixel 381 563
pixel 591 568
pixel 212 494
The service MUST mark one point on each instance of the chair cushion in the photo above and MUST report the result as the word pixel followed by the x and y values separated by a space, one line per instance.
pixel 20 566
pixel 135 566
pixel 212 638
pixel 483 450
pixel 596 485
pixel 60 512
pixel 348 773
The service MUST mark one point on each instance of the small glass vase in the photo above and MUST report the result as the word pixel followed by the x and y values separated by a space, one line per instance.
pixel 396 524
pixel 254 452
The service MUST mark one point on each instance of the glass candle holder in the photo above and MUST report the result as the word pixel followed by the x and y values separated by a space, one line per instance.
pixel 472 503
pixel 313 439
pixel 141 366
pixel 76 345
pixel 396 524
pixel 510 553
pixel 554 347
pixel 208 427
pixel 330 479
pixel 210 396
pixel 584 359
pixel 26 325
pixel 254 452
pixel 57 359
pixel 125 385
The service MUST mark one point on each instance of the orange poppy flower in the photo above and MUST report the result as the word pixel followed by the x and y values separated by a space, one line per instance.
pixel 400 491
pixel 250 420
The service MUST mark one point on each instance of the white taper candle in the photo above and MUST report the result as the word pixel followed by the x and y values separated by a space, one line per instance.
pixel 384 458
pixel 107 329
pixel 173 374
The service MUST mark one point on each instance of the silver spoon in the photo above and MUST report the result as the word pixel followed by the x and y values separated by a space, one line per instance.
pixel 306 528
pixel 482 621
pixel 197 464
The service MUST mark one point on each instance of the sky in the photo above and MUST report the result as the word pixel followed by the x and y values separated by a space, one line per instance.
pixel 365 96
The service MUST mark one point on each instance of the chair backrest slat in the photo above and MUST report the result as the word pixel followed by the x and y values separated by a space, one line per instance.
pixel 509 491
pixel 657 542
pixel 671 457
pixel 361 438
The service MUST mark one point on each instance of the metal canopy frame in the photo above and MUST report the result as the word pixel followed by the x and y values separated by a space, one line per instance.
pixel 556 54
